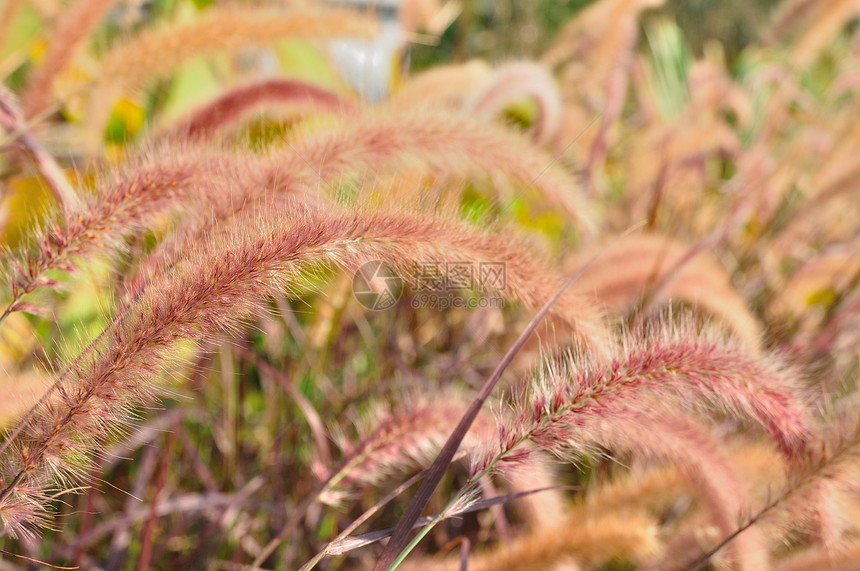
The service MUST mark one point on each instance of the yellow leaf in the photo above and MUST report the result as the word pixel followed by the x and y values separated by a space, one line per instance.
pixel 23 206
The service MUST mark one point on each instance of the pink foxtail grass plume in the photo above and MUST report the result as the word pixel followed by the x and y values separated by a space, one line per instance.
pixel 823 489
pixel 444 142
pixel 237 103
pixel 680 370
pixel 122 205
pixel 516 81
pixel 447 143
pixel 583 35
pixel 437 142
pixel 668 179
pixel 444 86
pixel 223 284
pixel 640 495
pixel 657 486
pixel 259 186
pixel 667 438
pixel 690 446
pixel 602 36
pixel 828 464
pixel 409 435
pixel 155 52
pixel 674 371
pixel 594 53
pixel 413 433
pixel 74 26
pixel 638 264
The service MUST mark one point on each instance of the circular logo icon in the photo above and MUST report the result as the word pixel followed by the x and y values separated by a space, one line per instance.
pixel 377 286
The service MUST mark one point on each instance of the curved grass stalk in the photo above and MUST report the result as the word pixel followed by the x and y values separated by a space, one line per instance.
pixel 519 80
pixel 239 102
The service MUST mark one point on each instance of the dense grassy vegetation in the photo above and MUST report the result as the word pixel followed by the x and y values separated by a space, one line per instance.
pixel 244 308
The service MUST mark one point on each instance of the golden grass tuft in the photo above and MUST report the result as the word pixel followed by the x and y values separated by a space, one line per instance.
pixel 592 540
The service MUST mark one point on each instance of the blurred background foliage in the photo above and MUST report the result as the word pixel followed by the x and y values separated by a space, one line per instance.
pixel 503 29
pixel 488 29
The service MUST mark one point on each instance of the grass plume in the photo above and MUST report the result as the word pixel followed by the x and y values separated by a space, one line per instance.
pixel 240 272
pixel 122 205
pixel 652 266
pixel 519 80
pixel 446 143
